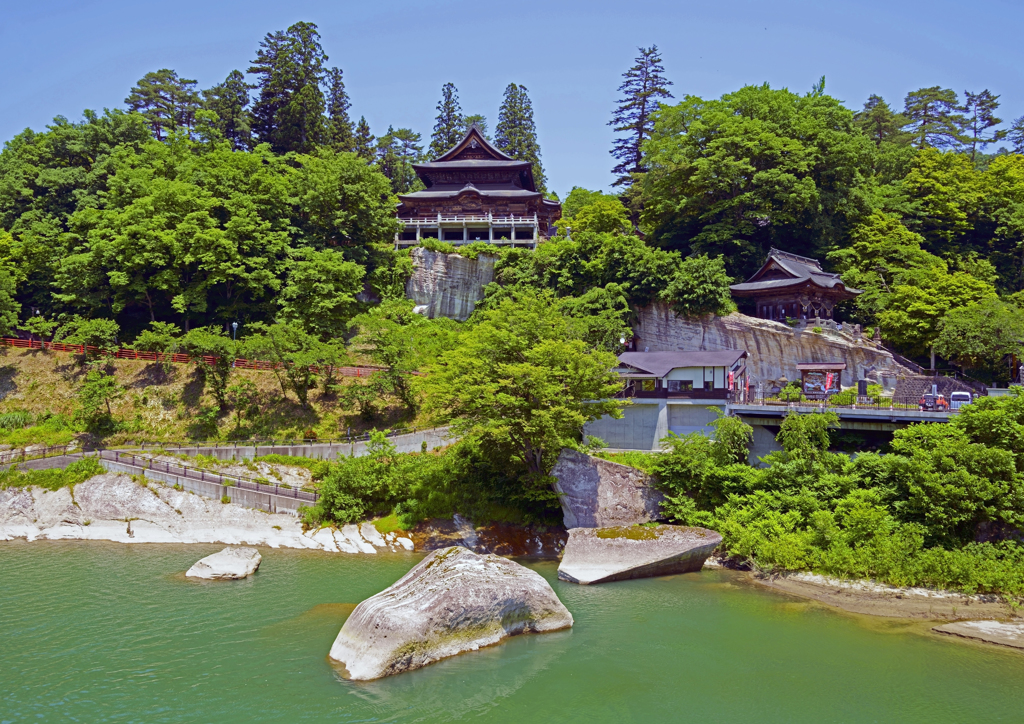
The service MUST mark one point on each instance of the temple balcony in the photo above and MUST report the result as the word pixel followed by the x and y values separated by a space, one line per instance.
pixel 458 229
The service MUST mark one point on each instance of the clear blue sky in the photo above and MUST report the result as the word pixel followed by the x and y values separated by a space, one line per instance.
pixel 59 57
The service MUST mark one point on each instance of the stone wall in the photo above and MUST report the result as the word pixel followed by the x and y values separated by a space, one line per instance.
pixel 448 285
pixel 774 349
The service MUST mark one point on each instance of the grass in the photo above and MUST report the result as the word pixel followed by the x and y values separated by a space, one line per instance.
pixel 634 459
pixel 161 406
pixel 389 524
pixel 54 478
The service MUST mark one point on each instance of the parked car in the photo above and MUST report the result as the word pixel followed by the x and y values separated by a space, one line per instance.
pixel 959 399
pixel 933 403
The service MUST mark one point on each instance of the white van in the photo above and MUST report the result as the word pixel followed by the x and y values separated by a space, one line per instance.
pixel 959 399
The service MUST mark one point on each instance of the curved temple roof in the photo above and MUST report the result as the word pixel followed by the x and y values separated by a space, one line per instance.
pixel 791 270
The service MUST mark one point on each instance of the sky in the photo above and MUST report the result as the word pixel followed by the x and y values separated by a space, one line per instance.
pixel 59 57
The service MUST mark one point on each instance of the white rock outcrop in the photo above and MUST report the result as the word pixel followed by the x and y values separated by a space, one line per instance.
pixel 115 507
pixel 1004 633
pixel 598 493
pixel 229 564
pixel 601 555
pixel 454 600
pixel 448 285
pixel 774 349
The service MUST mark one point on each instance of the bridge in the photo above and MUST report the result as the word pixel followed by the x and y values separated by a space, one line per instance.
pixel 853 417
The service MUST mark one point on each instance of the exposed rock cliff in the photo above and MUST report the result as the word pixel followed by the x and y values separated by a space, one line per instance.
pixel 452 601
pixel 774 349
pixel 597 493
pixel 448 285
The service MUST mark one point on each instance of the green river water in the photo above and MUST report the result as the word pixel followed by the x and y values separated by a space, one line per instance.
pixel 97 632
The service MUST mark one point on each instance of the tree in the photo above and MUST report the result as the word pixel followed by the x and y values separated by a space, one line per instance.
pixel 475 120
pixel 518 381
pixel 9 306
pixel 230 101
pixel 757 168
pixel 98 390
pixel 339 134
pixel 449 125
pixel 214 353
pixel 981 334
pixel 165 100
pixel 397 151
pixel 289 109
pixel 700 287
pixel 320 294
pixel 382 334
pixel 298 355
pixel 881 253
pixel 981 110
pixel 918 306
pixel 98 333
pixel 605 214
pixel 516 134
pixel 879 122
pixel 934 117
pixel 1016 135
pixel 644 88
pixel 363 141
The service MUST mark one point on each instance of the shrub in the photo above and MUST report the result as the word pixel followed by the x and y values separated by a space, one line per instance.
pixel 225 499
pixel 441 247
pixel 15 419
pixel 54 478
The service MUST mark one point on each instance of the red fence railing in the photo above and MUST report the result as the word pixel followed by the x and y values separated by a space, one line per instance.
pixel 177 358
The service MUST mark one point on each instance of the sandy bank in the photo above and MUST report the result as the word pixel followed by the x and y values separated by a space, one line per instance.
pixel 876 599
pixel 115 507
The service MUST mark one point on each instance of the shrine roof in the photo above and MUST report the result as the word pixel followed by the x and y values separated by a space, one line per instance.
pixel 660 364
pixel 475 163
pixel 798 271
pixel 474 139
pixel 449 191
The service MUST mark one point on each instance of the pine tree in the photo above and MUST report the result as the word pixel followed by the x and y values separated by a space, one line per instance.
pixel 448 129
pixel 475 120
pixel 516 134
pixel 230 101
pixel 340 134
pixel 981 110
pixel 289 111
pixel 879 122
pixel 396 152
pixel 1016 135
pixel 933 117
pixel 363 141
pixel 167 101
pixel 644 87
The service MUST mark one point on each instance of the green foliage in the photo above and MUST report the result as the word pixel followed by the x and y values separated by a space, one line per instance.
pixel 298 356
pixel 448 130
pixel 519 381
pixel 981 334
pixel 441 247
pixel 516 134
pixel 700 287
pixel 54 478
pixel 907 517
pixel 644 88
pixel 633 458
pixel 214 353
pixel 98 333
pixel 757 168
pixel 15 419
pixel 321 292
pixel 98 390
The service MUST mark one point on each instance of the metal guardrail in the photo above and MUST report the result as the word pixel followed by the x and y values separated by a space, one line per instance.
pixel 273 442
pixel 242 482
pixel 8 457
pixel 871 403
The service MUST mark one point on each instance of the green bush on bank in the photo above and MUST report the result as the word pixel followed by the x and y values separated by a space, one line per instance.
pixel 53 479
pixel 909 517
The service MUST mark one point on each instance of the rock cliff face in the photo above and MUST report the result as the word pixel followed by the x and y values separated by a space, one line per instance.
pixel 452 601
pixel 774 349
pixel 448 285
pixel 596 493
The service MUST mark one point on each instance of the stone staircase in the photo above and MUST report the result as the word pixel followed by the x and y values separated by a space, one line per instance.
pixel 916 385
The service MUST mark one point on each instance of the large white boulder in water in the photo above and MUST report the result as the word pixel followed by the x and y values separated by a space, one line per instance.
pixel 600 555
pixel 452 601
pixel 597 493
pixel 229 564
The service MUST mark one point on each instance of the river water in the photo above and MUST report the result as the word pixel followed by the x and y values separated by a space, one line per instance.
pixel 97 632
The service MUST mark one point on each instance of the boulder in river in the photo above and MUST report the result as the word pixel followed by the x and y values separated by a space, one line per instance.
pixel 229 564
pixel 452 601
pixel 993 632
pixel 600 555
pixel 597 493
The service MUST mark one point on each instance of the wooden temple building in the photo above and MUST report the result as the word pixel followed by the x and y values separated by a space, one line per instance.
pixel 474 192
pixel 793 286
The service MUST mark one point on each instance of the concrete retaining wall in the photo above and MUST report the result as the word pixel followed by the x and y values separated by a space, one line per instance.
pixel 213 490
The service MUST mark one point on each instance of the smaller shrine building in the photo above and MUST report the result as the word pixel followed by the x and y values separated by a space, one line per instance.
pixel 474 192
pixel 793 286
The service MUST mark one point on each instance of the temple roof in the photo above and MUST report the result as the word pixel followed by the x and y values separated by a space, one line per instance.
pixel 660 364
pixel 450 191
pixel 471 157
pixel 783 270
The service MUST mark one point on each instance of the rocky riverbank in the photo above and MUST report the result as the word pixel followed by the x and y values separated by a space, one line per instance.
pixel 121 508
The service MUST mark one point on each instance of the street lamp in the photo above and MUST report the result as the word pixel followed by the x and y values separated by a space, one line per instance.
pixel 234 329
